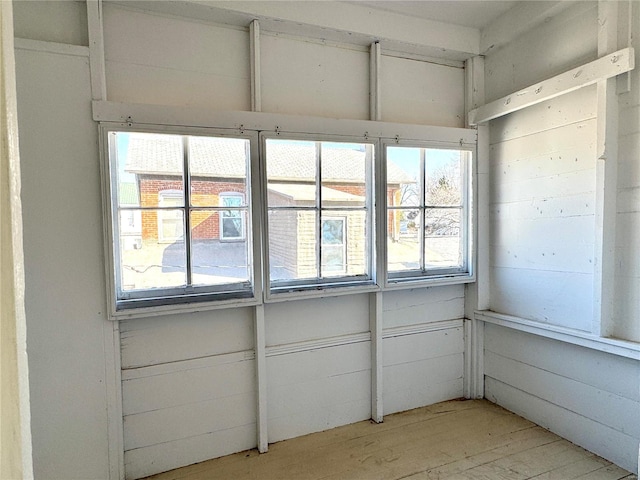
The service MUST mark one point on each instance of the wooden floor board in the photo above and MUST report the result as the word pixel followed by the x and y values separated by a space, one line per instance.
pixel 455 440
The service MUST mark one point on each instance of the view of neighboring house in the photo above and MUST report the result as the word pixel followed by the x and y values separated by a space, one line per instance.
pixel 218 178
pixel 130 220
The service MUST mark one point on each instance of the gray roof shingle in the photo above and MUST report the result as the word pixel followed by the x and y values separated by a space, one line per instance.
pixel 222 157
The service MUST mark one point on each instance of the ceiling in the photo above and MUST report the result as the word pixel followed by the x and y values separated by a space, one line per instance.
pixel 469 13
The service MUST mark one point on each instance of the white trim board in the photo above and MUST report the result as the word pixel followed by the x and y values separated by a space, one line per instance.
pixel 419 328
pixel 607 66
pixel 50 47
pixel 584 339
pixel 139 114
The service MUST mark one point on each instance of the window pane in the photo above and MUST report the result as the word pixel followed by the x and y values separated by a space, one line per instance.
pixel 403 176
pixel 443 246
pixel 292 245
pixel 344 167
pixel 444 177
pixel 215 261
pixel 148 164
pixel 217 165
pixel 333 246
pixel 403 244
pixel 145 261
pixel 291 172
pixel 344 243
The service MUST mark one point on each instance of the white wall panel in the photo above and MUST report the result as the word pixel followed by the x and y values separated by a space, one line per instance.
pixel 627 281
pixel 318 389
pixel 166 60
pixel 421 92
pixel 559 298
pixel 589 397
pixel 422 305
pixel 308 78
pixel 181 383
pixel 542 215
pixel 188 403
pixel 146 461
pixel 566 41
pixel 171 338
pixel 422 369
pixel 64 271
pixel 312 319
pixel 51 21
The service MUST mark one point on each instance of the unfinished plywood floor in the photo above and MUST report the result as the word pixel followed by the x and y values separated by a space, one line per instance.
pixel 451 440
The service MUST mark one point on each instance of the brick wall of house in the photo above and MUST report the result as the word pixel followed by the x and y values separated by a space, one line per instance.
pixel 205 224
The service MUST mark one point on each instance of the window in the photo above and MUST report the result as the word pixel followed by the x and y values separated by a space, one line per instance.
pixel 319 215
pixel 190 195
pixel 232 227
pixel 202 214
pixel 427 197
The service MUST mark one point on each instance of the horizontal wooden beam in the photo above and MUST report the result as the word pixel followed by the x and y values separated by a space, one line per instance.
pixel 605 67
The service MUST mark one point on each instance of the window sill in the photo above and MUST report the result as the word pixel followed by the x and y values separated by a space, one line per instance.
pixel 186 307
pixel 284 294
pixel 435 281
pixel 621 348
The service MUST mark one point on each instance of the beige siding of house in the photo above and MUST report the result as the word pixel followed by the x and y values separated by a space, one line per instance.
pixel 282 244
pixel 356 243
pixel 306 245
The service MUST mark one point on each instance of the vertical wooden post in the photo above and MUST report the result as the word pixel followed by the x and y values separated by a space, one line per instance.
pixel 110 330
pixel 259 314
pixel 113 380
pixel 375 326
pixel 606 177
pixel 96 50
pixel 254 44
pixel 375 112
pixel 16 459
pixel 261 379
pixel 477 294
pixel 375 299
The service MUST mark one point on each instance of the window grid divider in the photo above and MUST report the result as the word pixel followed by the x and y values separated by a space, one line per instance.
pixel 318 151
pixel 422 199
pixel 186 176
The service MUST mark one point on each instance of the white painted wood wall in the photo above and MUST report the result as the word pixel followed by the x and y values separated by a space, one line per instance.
pixel 627 281
pixel 542 235
pixel 189 380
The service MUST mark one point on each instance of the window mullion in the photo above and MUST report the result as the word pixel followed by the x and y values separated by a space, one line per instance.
pixel 318 209
pixel 370 189
pixel 423 210
pixel 186 177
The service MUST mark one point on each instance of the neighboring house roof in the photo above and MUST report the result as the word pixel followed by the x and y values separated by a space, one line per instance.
pixel 128 194
pixel 307 193
pixel 225 158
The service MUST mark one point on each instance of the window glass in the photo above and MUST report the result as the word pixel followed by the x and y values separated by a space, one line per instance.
pixel 426 211
pixel 333 246
pixel 181 201
pixel 319 214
